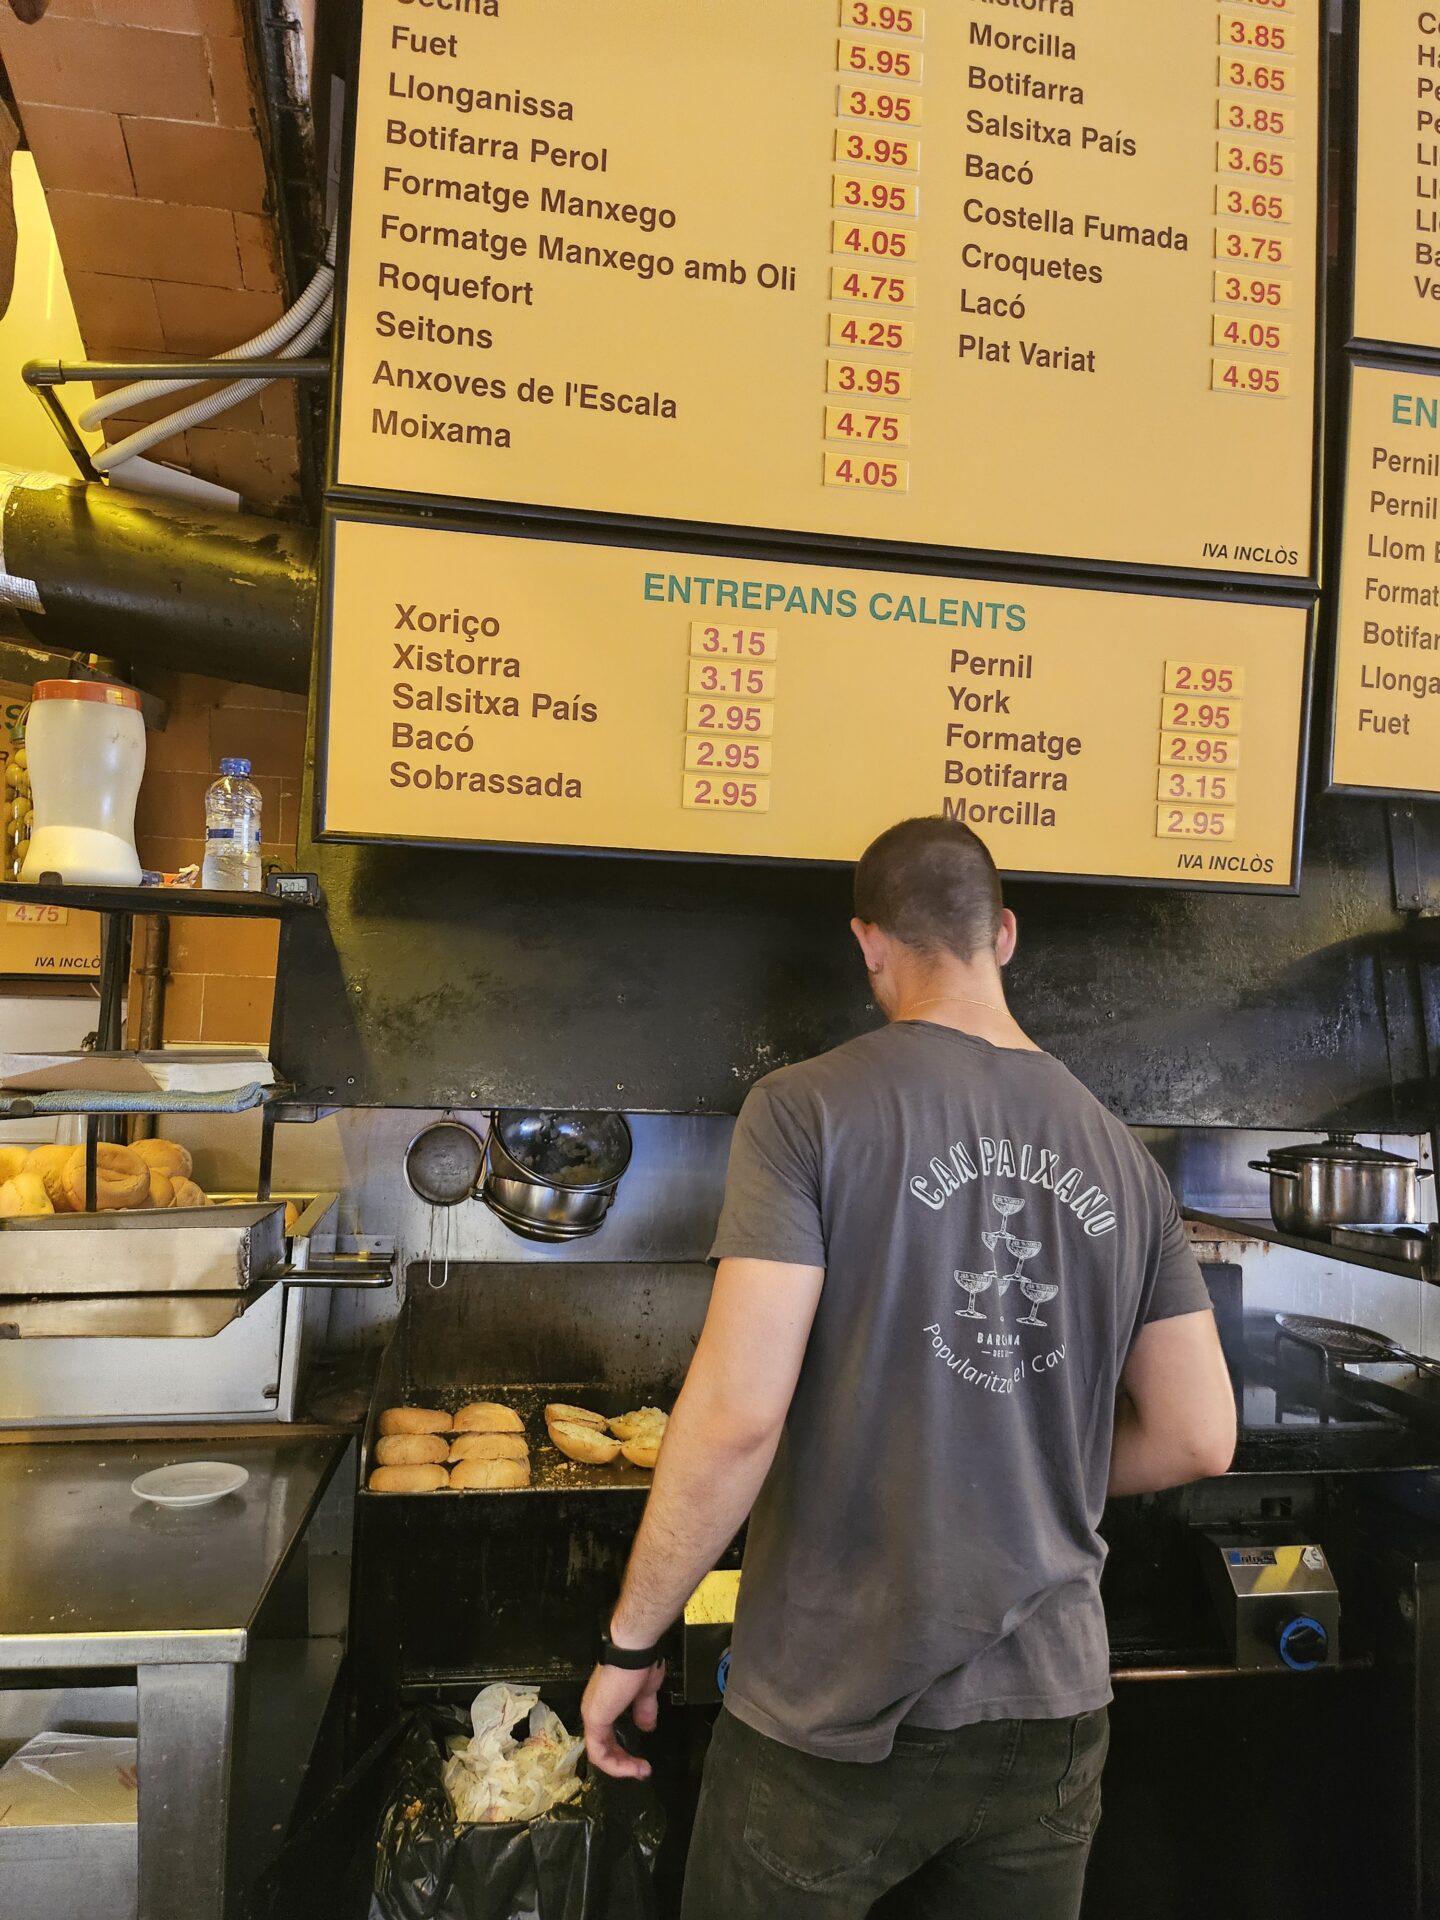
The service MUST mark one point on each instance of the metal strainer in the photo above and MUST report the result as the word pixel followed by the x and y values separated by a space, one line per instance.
pixel 442 1164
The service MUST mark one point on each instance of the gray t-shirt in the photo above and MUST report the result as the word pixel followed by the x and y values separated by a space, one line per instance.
pixel 924 1549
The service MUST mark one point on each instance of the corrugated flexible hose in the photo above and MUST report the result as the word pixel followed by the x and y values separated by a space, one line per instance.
pixel 275 340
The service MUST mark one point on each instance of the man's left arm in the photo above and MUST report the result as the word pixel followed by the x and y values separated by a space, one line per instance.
pixel 718 1449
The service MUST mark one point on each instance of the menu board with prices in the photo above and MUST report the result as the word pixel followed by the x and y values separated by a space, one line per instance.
pixel 1396 250
pixel 482 688
pixel 1386 725
pixel 989 276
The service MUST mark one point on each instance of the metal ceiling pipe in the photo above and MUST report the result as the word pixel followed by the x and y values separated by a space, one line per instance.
pixel 158 583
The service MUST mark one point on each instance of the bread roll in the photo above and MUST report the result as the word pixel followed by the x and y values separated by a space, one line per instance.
pixel 165 1156
pixel 408 1479
pixel 187 1194
pixel 162 1189
pixel 628 1426
pixel 50 1163
pixel 489 1446
pixel 476 1476
pixel 643 1451
pixel 582 1416
pixel 487 1416
pixel 414 1420
pixel 292 1216
pixel 23 1196
pixel 12 1161
pixel 591 1444
pixel 122 1178
pixel 410 1449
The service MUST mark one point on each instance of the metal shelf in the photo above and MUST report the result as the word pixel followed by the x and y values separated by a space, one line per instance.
pixel 196 902
pixel 1266 1230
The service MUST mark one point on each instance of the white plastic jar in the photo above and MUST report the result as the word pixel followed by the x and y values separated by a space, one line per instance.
pixel 85 742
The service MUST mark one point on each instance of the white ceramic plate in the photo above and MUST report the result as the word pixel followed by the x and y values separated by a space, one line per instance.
pixel 194 1483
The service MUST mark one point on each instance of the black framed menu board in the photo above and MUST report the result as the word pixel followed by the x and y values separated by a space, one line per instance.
pixel 963 276
pixel 481 688
pixel 1394 189
pixel 1385 719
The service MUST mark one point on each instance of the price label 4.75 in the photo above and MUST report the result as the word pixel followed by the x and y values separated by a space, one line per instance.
pixel 22 914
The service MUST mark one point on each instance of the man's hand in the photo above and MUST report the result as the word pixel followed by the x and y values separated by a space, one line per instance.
pixel 612 1692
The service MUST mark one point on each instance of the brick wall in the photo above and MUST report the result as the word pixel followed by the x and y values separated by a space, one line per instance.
pixel 222 972
pixel 142 119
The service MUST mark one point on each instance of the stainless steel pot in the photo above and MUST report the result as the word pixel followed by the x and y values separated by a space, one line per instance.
pixel 1339 1183
pixel 552 1176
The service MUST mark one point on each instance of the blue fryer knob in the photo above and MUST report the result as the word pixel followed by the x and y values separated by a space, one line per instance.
pixel 1303 1643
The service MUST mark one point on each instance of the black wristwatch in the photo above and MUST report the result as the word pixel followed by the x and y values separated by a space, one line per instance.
pixel 633 1659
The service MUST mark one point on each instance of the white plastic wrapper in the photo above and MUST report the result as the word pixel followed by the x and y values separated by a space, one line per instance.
pixel 493 1777
pixel 69 1779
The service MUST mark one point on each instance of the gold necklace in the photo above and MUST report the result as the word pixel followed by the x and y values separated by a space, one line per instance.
pixel 941 999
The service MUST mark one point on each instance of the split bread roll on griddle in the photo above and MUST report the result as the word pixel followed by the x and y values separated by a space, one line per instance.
pixel 415 1420
pixel 629 1426
pixel 578 1442
pixel 408 1479
pixel 411 1449
pixel 487 1476
pixel 582 1416
pixel 165 1156
pixel 489 1446
pixel 643 1451
pixel 122 1178
pixel 487 1416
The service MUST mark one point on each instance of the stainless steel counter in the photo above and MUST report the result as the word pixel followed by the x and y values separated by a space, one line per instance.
pixel 92 1577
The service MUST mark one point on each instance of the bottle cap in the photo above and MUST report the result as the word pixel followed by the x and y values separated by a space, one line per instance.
pixel 107 692
pixel 239 768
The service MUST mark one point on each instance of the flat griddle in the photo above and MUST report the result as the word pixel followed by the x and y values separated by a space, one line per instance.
pixel 607 1335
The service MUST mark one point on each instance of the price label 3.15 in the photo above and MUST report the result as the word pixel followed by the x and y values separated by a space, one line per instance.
pixel 709 641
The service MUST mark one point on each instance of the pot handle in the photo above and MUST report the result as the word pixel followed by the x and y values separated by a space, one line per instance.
pixel 1283 1173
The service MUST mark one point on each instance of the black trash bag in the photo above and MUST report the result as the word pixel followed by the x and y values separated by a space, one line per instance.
pixel 591 1859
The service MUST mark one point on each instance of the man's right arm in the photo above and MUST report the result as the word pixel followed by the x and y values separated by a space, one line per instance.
pixel 1175 1416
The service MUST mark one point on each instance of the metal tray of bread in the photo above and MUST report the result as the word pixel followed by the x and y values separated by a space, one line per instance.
pixel 176 1250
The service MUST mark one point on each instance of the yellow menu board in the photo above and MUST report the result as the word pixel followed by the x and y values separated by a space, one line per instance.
pixel 1396 294
pixel 1027 279
pixel 485 688
pixel 1386 736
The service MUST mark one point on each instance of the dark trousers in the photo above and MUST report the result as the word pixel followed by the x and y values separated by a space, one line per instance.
pixel 984 1823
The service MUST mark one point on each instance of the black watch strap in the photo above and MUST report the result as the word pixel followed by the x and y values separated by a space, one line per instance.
pixel 631 1658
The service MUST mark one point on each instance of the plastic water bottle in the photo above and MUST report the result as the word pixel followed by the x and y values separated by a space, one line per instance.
pixel 232 831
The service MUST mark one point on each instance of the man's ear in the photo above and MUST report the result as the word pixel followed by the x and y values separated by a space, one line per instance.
pixel 1007 939
pixel 870 940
